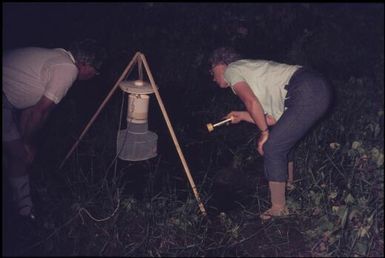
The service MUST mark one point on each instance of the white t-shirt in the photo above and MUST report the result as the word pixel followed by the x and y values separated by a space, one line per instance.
pixel 267 80
pixel 30 73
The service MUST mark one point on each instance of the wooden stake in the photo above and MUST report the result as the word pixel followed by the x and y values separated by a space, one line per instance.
pixel 171 130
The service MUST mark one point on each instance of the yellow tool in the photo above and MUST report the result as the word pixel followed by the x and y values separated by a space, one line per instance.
pixel 211 126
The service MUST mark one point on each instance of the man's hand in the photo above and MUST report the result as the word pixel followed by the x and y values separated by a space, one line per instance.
pixel 262 140
pixel 30 153
pixel 33 118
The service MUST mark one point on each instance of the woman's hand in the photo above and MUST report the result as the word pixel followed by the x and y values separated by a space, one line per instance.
pixel 262 140
pixel 239 116
pixel 236 116
pixel 270 120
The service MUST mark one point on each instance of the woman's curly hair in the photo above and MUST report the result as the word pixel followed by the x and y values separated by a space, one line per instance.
pixel 224 55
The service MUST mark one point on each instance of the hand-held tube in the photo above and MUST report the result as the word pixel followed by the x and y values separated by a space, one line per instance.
pixel 210 126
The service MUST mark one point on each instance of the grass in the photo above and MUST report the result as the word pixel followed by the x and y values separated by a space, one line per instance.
pixel 96 207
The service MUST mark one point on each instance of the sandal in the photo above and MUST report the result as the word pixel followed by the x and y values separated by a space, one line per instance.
pixel 270 213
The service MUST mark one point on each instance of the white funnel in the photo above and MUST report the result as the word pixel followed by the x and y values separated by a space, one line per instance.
pixel 136 143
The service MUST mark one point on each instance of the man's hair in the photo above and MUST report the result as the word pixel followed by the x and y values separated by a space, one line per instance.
pixel 224 55
pixel 88 51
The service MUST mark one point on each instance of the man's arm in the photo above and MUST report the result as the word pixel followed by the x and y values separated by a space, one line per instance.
pixel 33 118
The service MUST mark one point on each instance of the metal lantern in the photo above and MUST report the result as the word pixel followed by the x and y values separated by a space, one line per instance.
pixel 136 142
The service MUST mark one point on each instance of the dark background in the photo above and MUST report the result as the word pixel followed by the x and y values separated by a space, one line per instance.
pixel 341 40
pixel 158 30
pixel 338 39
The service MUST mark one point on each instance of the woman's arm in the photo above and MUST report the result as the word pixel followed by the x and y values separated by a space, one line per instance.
pixel 252 104
pixel 255 110
pixel 239 116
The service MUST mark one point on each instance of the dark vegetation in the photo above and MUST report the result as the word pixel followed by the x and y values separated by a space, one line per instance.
pixel 99 205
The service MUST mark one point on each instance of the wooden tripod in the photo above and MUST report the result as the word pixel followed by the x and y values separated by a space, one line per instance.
pixel 140 59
